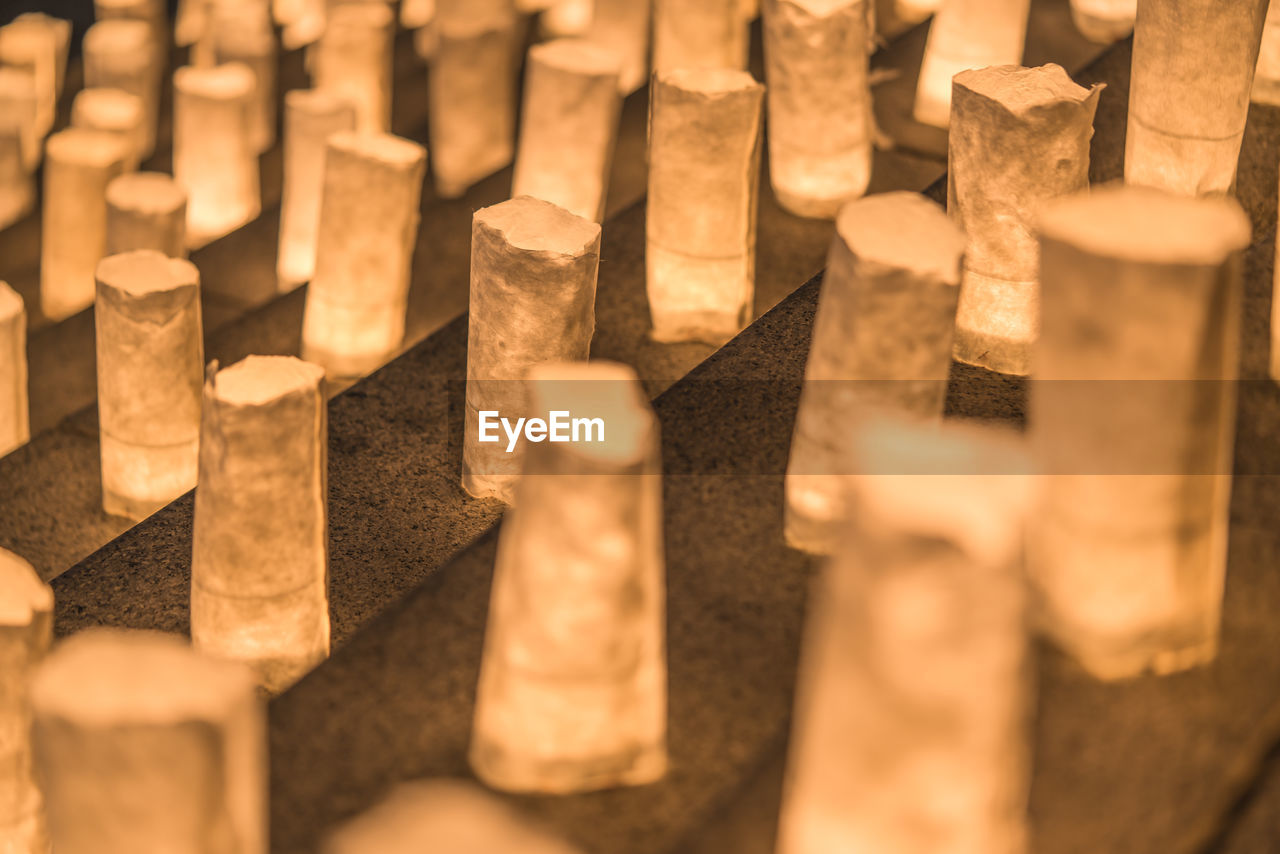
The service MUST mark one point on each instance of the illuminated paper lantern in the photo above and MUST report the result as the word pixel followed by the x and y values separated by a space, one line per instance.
pixel 910 733
pixel 820 124
pixel 533 293
pixel 443 817
pixel 1266 76
pixel 698 34
pixel 881 341
pixel 568 126
pixel 79 163
pixel 142 744
pixel 1133 417
pixel 966 34
pixel 19 145
pixel 572 693
pixel 622 27
pixel 213 154
pixel 15 428
pixel 352 60
pixel 259 567
pixel 155 13
pixel 246 36
pixel 121 54
pixel 1185 128
pixel 38 43
pixel 1104 21
pixel 146 210
pixel 150 356
pixel 26 631
pixel 566 19
pixel 700 227
pixel 112 111
pixel 1019 137
pixel 310 118
pixel 354 317
pixel 307 25
pixel 415 14
pixel 471 101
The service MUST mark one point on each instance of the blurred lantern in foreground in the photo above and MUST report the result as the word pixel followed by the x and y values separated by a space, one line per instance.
pixel 881 341
pixel 700 226
pixel 26 630
pixel 259 566
pixel 1132 415
pixel 1019 136
pixel 533 294
pixel 14 421
pixel 443 817
pixel 1189 85
pixel 150 356
pixel 141 744
pixel 568 126
pixel 966 34
pixel 820 122
pixel 572 693
pixel 910 732
pixel 355 310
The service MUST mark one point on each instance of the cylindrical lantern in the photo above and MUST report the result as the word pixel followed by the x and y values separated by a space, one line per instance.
pixel 213 155
pixel 120 54
pixel 1019 137
pixel 244 39
pixel 472 101
pixel 354 317
pixel 966 34
pixel 15 425
pixel 26 630
pixel 572 693
pixel 881 341
pixel 911 726
pixel 1104 21
pixel 150 357
pixel 19 148
pixel 79 163
pixel 1266 77
pixel 698 34
pixel 310 118
pixel 700 229
pixel 35 44
pixel 568 126
pixel 142 744
pixel 820 123
pixel 533 293
pixel 622 27
pixel 259 566
pixel 1189 85
pixel 352 60
pixel 146 210
pixel 113 111
pixel 1132 414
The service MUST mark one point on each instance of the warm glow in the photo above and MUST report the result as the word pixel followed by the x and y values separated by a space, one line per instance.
pixel 699 34
pixel 881 341
pixel 704 155
pixel 1138 450
pixel 113 111
pixel 622 28
pixel 121 54
pixel 533 291
pixel 150 358
pixel 352 61
pixel 354 318
pixel 146 210
pixel 572 693
pixel 14 423
pixel 19 148
pixel 259 571
pixel 1104 21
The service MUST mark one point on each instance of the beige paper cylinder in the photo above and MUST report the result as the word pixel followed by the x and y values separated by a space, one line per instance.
pixel 150 355
pixel 568 126
pixel 572 693
pixel 622 26
pixel 144 745
pixel 700 228
pixel 259 567
pixel 26 631
pixel 1266 76
pixel 310 118
pixel 37 44
pixel 698 34
pixel 355 310
pixel 240 37
pixel 120 54
pixel 1104 21
pixel 19 149
pixel 352 61
pixel 112 111
pixel 213 154
pixel 15 424
pixel 1132 417
pixel 533 291
pixel 79 163
pixel 146 210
